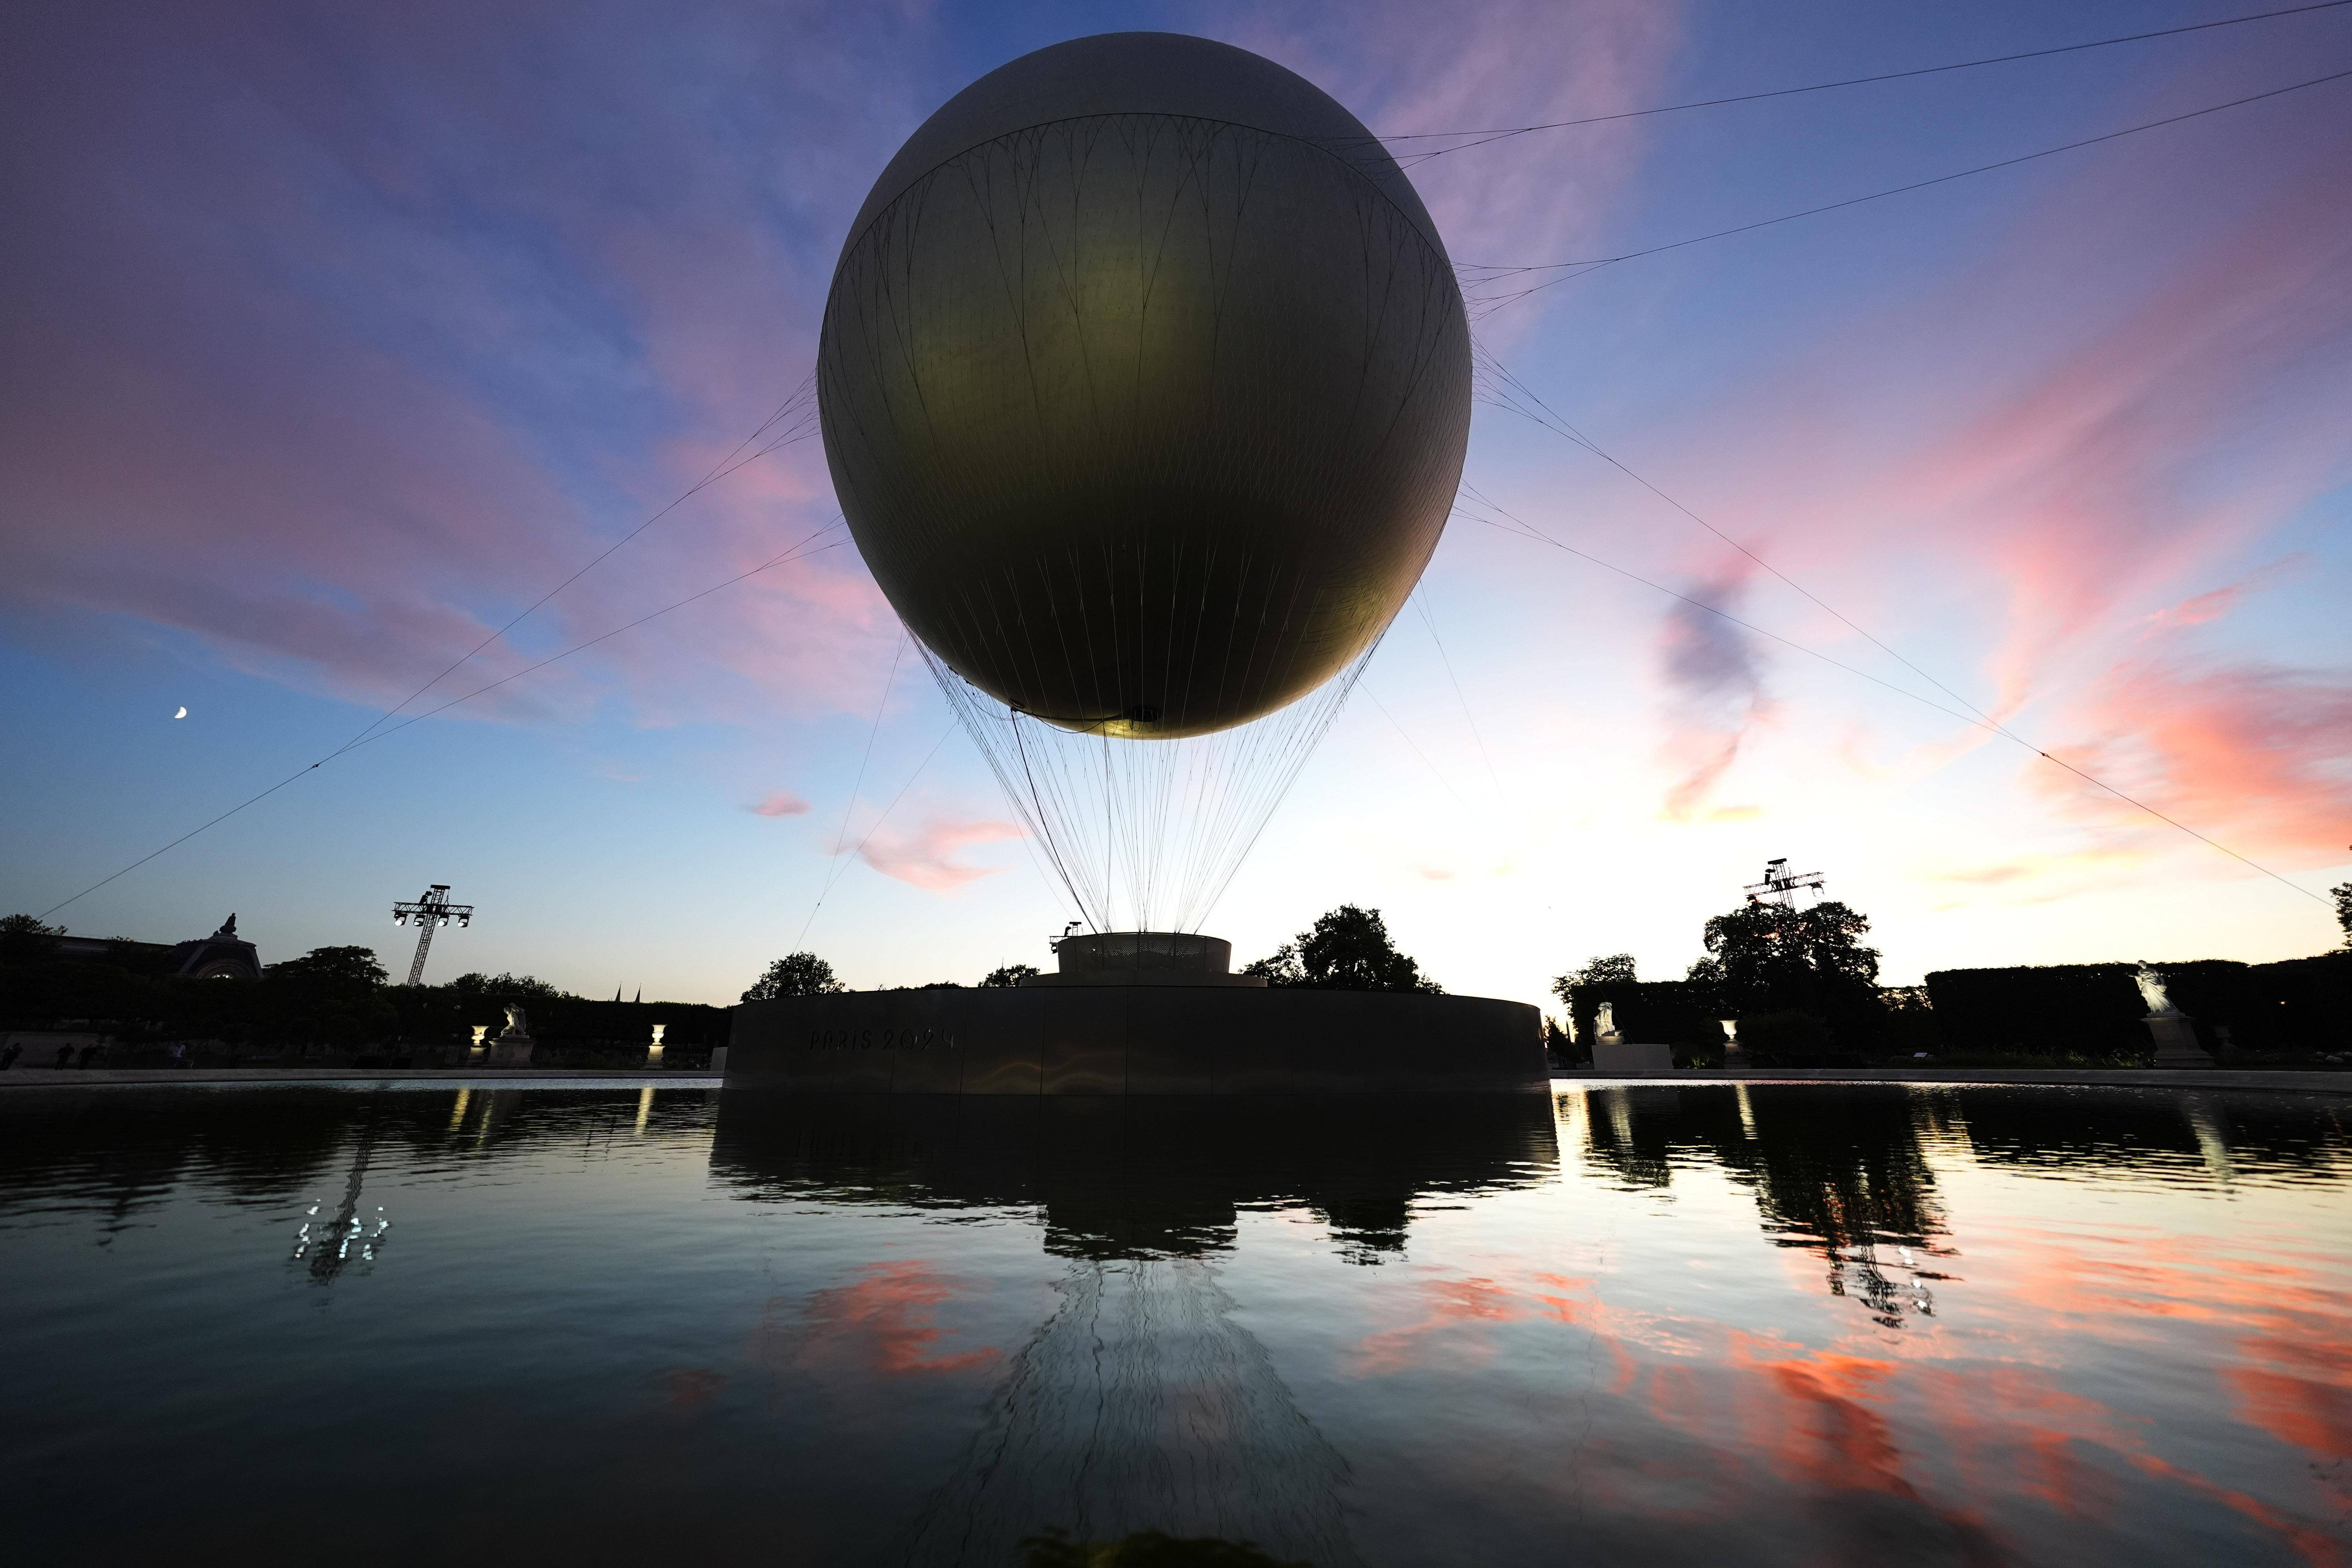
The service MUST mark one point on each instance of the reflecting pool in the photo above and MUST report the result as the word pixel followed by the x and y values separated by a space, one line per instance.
pixel 1709 1323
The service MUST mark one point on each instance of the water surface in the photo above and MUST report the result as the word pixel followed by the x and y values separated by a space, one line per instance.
pixel 1817 1323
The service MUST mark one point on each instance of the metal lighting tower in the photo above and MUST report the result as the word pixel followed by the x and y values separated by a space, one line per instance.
pixel 430 912
pixel 1780 884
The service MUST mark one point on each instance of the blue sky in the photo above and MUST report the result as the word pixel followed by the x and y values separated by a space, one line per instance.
pixel 340 339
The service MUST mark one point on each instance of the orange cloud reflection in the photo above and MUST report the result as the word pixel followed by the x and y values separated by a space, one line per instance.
pixel 1971 1434
pixel 883 1323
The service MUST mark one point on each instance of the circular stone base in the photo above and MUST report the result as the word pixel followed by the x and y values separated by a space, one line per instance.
pixel 1137 1039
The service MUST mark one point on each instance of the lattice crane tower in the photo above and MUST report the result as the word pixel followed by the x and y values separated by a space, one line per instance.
pixel 430 912
pixel 1780 884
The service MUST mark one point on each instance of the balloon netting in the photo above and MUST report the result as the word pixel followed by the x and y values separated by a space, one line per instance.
pixel 1144 835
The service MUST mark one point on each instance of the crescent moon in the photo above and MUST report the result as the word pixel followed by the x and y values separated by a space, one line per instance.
pixel 181 714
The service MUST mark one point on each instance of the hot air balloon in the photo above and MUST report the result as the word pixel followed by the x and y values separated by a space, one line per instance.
pixel 1145 384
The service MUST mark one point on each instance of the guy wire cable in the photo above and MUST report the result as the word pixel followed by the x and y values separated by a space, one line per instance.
pixel 826 891
pixel 1560 426
pixel 1506 132
pixel 1420 603
pixel 1980 717
pixel 841 835
pixel 1525 530
pixel 1375 699
pixel 795 552
pixel 1490 273
pixel 799 429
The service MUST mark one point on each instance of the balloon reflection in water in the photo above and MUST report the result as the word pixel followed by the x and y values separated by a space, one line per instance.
pixel 1141 1402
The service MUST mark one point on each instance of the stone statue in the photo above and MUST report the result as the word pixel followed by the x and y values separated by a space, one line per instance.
pixel 1604 1020
pixel 513 1047
pixel 228 931
pixel 2174 1032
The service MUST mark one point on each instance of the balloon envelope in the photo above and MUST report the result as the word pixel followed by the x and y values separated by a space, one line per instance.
pixel 1145 384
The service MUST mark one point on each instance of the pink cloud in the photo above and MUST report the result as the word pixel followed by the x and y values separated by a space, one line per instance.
pixel 925 858
pixel 2094 478
pixel 1715 690
pixel 2074 446
pixel 1516 62
pixel 2041 879
pixel 780 803
pixel 2200 608
pixel 2040 447
pixel 2256 756
pixel 342 343
pixel 2203 607
pixel 1986 875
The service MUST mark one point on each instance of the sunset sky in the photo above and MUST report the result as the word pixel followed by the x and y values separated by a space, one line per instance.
pixel 336 337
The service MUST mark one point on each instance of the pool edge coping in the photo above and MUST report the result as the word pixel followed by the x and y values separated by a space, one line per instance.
pixel 2284 1079
pixel 2288 1079
pixel 457 1077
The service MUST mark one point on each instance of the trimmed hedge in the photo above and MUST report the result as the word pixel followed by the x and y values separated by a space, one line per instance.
pixel 1687 1016
pixel 2300 1004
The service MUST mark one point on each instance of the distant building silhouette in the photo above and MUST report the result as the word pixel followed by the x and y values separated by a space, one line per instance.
pixel 223 955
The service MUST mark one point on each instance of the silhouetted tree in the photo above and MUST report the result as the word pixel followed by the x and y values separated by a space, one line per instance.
pixel 1347 950
pixel 1767 958
pixel 24 939
pixel 2342 892
pixel 1011 974
pixel 1614 967
pixel 796 975
pixel 332 969
pixel 507 987
pixel 334 997
pixel 1279 968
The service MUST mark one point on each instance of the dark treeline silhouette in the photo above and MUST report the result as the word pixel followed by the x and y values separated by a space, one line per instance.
pixel 1842 1171
pixel 1802 988
pixel 1801 983
pixel 330 1004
